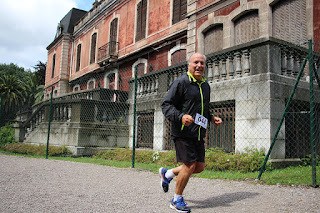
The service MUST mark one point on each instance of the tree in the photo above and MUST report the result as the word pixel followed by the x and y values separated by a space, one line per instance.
pixel 12 69
pixel 33 92
pixel 40 72
pixel 12 96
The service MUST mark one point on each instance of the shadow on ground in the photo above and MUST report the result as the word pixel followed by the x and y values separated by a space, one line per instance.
pixel 222 200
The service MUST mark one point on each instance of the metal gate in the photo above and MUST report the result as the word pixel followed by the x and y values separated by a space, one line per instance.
pixel 224 135
pixel 145 130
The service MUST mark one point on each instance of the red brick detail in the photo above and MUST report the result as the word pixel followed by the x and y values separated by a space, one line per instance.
pixel 227 10
pixel 201 21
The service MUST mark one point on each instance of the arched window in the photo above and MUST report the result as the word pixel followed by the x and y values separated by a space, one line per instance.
pixel 213 39
pixel 178 56
pixel 53 65
pixel 78 57
pixel 91 84
pixel 113 36
pixel 111 80
pixel 141 63
pixel 93 48
pixel 246 27
pixel 76 88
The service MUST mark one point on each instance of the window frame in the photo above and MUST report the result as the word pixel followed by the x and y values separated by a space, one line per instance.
pixel 141 20
pixel 78 58
pixel 53 65
pixel 93 47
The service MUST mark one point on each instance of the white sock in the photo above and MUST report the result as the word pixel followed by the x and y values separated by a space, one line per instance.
pixel 175 197
pixel 170 174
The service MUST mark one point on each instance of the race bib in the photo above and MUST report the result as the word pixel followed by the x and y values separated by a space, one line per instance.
pixel 201 121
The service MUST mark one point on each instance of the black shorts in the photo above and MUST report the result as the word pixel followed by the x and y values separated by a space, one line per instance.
pixel 188 150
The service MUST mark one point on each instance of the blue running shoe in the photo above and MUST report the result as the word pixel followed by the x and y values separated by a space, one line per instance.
pixel 180 205
pixel 164 181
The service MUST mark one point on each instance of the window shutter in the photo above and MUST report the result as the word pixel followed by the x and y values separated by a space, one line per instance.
pixel 144 19
pixel 138 31
pixel 176 11
pixel 247 28
pixel 93 48
pixel 178 56
pixel 183 10
pixel 288 21
pixel 213 39
pixel 179 10
pixel 113 36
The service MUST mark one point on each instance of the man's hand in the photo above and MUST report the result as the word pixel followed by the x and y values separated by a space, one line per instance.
pixel 216 120
pixel 187 120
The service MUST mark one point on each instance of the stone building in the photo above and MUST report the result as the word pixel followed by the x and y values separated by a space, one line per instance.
pixel 254 51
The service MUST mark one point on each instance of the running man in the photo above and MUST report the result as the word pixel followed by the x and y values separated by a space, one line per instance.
pixel 186 105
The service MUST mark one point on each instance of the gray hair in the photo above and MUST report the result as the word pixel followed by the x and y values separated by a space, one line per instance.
pixel 205 58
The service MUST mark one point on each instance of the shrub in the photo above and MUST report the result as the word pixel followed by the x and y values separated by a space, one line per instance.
pixel 6 135
pixel 30 149
pixel 216 159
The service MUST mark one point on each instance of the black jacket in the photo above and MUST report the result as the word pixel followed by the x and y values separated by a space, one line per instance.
pixel 187 96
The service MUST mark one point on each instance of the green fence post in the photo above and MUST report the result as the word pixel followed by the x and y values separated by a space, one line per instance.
pixel 282 119
pixel 134 116
pixel 312 123
pixel 50 109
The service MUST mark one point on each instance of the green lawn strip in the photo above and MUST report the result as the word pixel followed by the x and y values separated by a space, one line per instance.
pixel 300 175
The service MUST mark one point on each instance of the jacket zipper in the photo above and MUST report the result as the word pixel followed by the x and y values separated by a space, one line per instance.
pixel 199 84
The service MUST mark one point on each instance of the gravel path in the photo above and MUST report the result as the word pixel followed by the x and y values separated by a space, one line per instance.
pixel 40 185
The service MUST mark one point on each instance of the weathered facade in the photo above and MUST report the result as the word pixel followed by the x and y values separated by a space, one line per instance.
pixel 250 75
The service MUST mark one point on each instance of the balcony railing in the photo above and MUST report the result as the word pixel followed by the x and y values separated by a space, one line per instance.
pixel 108 53
pixel 231 64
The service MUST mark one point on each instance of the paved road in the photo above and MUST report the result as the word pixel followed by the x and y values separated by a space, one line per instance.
pixel 40 185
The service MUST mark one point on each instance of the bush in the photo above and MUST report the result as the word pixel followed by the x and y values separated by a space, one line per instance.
pixel 6 135
pixel 216 159
pixel 30 149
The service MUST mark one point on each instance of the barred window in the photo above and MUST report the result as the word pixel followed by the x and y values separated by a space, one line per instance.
pixel 179 10
pixel 93 48
pixel 141 20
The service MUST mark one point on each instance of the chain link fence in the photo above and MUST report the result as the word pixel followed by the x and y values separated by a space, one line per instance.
pixel 261 90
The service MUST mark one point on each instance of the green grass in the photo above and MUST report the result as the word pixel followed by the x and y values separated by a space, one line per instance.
pixel 300 175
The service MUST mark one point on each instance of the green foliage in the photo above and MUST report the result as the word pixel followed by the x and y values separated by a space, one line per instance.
pixel 12 69
pixel 30 149
pixel 11 92
pixel 307 161
pixel 216 159
pixel 6 135
pixel 40 72
pixel 19 89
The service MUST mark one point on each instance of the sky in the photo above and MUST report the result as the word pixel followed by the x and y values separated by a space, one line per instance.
pixel 29 26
